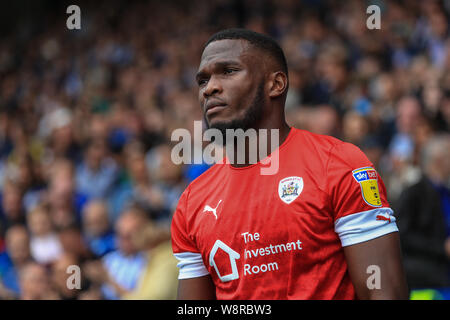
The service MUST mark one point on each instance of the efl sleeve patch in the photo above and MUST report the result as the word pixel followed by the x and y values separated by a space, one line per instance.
pixel 367 177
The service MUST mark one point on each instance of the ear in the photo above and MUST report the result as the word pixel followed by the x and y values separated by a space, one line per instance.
pixel 278 83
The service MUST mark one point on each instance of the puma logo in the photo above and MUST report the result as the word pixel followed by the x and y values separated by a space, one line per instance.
pixel 380 217
pixel 213 210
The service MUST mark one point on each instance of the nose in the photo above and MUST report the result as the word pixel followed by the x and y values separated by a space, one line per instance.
pixel 213 87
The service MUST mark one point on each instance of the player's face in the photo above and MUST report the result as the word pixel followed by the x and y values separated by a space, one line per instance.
pixel 231 85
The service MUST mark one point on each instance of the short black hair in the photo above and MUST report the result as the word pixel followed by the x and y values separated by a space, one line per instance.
pixel 259 40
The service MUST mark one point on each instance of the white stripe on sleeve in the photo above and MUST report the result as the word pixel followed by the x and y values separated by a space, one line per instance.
pixel 191 265
pixel 363 226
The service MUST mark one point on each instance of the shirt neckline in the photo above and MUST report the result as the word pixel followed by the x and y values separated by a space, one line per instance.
pixel 257 164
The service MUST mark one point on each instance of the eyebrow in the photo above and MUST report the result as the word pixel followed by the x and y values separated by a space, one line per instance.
pixel 218 64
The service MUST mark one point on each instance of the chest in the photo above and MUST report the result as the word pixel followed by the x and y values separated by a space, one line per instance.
pixel 263 223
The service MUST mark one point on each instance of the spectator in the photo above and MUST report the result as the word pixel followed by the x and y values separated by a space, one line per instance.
pixel 97 233
pixel 424 219
pixel 120 270
pixel 57 126
pixel 45 245
pixel 167 177
pixel 60 276
pixel 96 175
pixel 138 188
pixel 35 283
pixel 355 128
pixel 12 211
pixel 159 279
pixel 17 254
pixel 26 175
pixel 402 146
pixel 72 242
pixel 64 200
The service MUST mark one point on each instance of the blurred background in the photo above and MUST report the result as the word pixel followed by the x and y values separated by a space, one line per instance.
pixel 86 117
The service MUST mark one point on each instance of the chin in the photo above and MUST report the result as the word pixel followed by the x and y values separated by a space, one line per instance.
pixel 221 124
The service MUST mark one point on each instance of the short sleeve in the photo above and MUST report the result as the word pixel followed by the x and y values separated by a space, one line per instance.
pixel 184 248
pixel 358 199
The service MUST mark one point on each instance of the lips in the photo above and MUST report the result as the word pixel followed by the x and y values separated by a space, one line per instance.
pixel 212 106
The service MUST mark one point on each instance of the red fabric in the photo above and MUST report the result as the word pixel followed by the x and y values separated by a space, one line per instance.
pixel 251 203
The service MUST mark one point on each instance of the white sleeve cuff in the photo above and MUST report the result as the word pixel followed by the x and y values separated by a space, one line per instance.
pixel 191 265
pixel 364 226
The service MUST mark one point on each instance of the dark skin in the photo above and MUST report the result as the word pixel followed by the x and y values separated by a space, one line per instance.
pixel 229 73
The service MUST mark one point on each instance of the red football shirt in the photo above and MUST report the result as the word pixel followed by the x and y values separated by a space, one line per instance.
pixel 281 236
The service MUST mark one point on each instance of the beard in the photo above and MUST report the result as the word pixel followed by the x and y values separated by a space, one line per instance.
pixel 251 117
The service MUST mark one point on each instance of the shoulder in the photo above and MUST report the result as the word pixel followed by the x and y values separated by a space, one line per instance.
pixel 314 144
pixel 112 256
pixel 5 261
pixel 319 139
pixel 209 175
pixel 192 197
pixel 208 178
pixel 329 149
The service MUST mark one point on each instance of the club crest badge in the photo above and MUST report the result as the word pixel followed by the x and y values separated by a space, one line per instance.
pixel 368 179
pixel 290 188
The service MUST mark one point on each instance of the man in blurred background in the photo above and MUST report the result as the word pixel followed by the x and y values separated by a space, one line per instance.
pixel 142 267
pixel 17 255
pixel 119 271
pixel 96 225
pixel 44 242
pixel 12 212
pixel 97 173
pixel 64 200
pixel 59 277
pixel 35 283
pixel 424 219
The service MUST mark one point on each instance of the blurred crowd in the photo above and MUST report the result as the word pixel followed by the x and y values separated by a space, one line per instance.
pixel 86 117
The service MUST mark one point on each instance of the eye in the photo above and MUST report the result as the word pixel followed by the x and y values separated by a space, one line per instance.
pixel 228 70
pixel 202 82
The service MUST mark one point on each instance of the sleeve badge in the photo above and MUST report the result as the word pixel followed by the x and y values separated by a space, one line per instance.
pixel 368 179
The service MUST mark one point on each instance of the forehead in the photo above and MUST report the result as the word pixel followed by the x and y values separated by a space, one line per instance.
pixel 16 235
pixel 227 50
pixel 129 222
